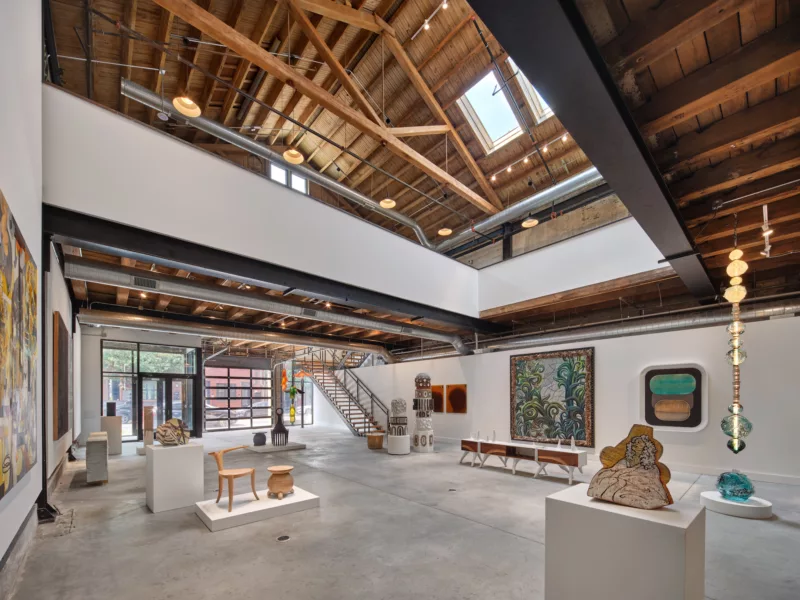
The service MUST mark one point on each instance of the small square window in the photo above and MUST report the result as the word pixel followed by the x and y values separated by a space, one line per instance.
pixel 541 111
pixel 299 184
pixel 278 174
pixel 489 113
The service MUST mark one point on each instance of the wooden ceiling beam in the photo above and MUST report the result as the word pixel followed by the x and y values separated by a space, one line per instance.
pixel 338 12
pixel 159 57
pixel 761 61
pixel 126 52
pixel 661 29
pixel 420 130
pixel 759 163
pixel 764 191
pixel 786 211
pixel 754 258
pixel 734 132
pixel 264 24
pixel 210 25
pixel 433 105
pixel 328 57
pixel 749 240
pixel 185 72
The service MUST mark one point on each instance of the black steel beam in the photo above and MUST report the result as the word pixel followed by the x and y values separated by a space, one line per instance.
pixel 549 41
pixel 123 240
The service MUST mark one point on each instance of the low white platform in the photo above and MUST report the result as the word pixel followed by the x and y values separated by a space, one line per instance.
pixel 754 508
pixel 174 476
pixel 595 549
pixel 246 509
pixel 113 427
pixel 399 444
pixel 267 449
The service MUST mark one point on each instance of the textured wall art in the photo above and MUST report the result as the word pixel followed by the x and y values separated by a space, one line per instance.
pixel 457 398
pixel 18 310
pixel 552 396
pixel 674 396
pixel 437 391
pixel 61 377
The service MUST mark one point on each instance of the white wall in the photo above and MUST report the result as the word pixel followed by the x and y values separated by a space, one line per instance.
pixel 21 182
pixel 613 251
pixel 158 183
pixel 324 414
pixel 769 394
pixel 57 299
pixel 91 369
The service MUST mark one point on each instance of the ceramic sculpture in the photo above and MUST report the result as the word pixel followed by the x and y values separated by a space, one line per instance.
pixel 173 433
pixel 423 409
pixel 280 435
pixel 632 474
pixel 280 482
pixel 399 441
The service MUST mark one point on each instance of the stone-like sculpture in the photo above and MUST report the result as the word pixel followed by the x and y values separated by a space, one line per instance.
pixel 173 433
pixel 280 435
pixel 423 409
pixel 632 474
pixel 399 440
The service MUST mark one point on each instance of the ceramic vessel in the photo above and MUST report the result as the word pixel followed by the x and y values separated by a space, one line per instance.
pixel 280 482
pixel 259 439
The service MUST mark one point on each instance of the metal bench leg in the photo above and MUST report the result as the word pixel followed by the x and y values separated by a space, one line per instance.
pixel 514 463
pixel 463 456
pixel 484 459
pixel 542 469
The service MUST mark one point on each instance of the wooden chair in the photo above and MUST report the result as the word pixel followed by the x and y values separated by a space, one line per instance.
pixel 231 474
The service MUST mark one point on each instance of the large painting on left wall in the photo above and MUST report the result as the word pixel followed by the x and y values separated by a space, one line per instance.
pixel 18 331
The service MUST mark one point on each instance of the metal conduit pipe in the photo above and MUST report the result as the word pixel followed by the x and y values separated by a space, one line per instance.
pixel 103 318
pixel 141 94
pixel 560 192
pixel 659 324
pixel 146 281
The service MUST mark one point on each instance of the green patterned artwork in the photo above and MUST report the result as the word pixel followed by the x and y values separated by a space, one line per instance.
pixel 552 397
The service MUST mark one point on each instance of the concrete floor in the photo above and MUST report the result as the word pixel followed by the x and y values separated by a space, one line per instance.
pixel 390 527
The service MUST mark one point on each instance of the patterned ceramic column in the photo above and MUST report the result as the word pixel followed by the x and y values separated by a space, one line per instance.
pixel 423 409
pixel 399 440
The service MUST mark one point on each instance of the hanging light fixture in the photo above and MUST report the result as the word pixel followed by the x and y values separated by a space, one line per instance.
pixel 388 203
pixel 526 160
pixel 445 231
pixel 544 149
pixel 186 106
pixel 444 5
pixel 508 170
pixel 564 137
pixel 427 25
pixel 530 222
pixel 494 177
pixel 293 157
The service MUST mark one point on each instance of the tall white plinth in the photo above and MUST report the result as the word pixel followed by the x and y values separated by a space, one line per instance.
pixel 174 476
pixel 113 427
pixel 603 551
pixel 399 444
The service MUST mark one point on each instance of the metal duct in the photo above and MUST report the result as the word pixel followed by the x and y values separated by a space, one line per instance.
pixel 671 322
pixel 134 91
pixel 131 321
pixel 560 192
pixel 146 281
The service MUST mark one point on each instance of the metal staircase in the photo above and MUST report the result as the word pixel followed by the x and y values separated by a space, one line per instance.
pixel 362 410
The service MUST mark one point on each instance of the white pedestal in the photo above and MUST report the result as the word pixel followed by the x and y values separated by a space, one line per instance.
pixel 174 476
pixel 148 441
pixel 246 509
pixel 399 444
pixel 269 448
pixel 604 551
pixel 113 427
pixel 754 508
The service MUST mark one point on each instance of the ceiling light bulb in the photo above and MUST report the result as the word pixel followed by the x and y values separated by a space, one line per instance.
pixel 508 170
pixel 186 106
pixel 388 203
pixel 427 25
pixel 327 305
pixel 494 177
pixel 544 149
pixel 143 295
pixel 445 231
pixel 735 254
pixel 292 156
pixel 564 138
pixel 767 231
pixel 530 222
pixel 526 160
pixel 444 5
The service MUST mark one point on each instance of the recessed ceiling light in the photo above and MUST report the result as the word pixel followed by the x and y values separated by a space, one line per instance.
pixel 494 177
pixel 530 222
pixel 294 157
pixel 186 106
pixel 445 231
pixel 388 203
pixel 526 160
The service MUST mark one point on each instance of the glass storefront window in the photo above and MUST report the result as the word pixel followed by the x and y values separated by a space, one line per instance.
pixel 167 359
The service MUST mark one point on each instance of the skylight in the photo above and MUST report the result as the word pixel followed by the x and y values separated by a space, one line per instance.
pixel 541 111
pixel 488 111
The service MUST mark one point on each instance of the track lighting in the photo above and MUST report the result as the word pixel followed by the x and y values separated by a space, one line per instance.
pixel 526 160
pixel 186 106
pixel 293 157
pixel 388 203
pixel 327 305
pixel 444 5
pixel 445 231
pixel 564 137
pixel 494 177
pixel 766 231
pixel 508 170
pixel 544 149
pixel 427 25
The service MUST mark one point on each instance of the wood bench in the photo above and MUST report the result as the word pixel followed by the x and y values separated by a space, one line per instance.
pixel 566 458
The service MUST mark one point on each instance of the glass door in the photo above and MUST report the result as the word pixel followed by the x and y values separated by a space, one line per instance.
pixel 182 398
pixel 169 397
pixel 153 398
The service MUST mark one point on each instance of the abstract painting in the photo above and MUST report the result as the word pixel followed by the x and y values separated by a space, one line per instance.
pixel 552 397
pixel 437 391
pixel 673 397
pixel 61 377
pixel 457 398
pixel 18 331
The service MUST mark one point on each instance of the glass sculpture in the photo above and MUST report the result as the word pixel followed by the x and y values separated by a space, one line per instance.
pixel 735 486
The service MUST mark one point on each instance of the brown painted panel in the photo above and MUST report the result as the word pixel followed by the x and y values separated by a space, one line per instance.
pixel 469 445
pixel 437 392
pixel 568 459
pixel 494 449
pixel 457 398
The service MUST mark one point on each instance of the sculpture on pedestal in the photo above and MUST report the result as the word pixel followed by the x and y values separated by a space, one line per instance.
pixel 399 441
pixel 173 433
pixel 632 474
pixel 423 409
pixel 280 435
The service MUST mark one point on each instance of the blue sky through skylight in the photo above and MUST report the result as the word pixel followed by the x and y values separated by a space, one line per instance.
pixel 494 112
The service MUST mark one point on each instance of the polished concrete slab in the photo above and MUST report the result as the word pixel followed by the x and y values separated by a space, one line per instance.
pixel 389 527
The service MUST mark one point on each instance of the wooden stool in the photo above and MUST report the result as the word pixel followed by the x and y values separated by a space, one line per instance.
pixel 231 474
pixel 375 441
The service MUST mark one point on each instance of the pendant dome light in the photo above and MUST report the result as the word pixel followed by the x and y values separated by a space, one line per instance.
pixel 530 222
pixel 388 203
pixel 186 106
pixel 445 231
pixel 294 157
